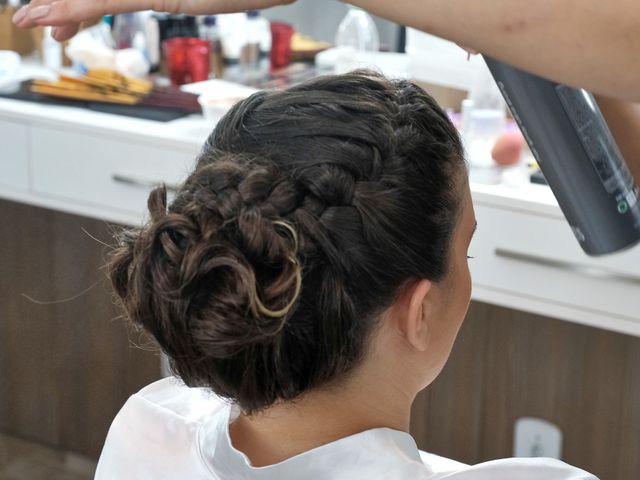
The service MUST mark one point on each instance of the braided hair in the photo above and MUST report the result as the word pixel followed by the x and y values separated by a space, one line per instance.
pixel 307 212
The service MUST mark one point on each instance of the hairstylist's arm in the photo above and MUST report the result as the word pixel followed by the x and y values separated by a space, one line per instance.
pixel 624 121
pixel 66 15
pixel 587 43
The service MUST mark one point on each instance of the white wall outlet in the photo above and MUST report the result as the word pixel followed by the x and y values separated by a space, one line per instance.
pixel 535 437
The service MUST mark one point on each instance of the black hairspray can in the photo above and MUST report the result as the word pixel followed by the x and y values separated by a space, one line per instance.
pixel 578 156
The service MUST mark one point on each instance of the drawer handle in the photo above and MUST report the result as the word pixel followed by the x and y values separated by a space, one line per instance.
pixel 145 183
pixel 595 272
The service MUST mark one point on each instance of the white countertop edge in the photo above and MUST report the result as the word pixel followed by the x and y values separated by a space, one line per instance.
pixel 529 198
pixel 187 132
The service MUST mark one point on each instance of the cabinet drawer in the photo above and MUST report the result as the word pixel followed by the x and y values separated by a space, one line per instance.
pixel 109 172
pixel 14 158
pixel 537 257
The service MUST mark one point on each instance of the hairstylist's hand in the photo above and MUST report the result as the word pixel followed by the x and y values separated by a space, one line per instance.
pixel 66 15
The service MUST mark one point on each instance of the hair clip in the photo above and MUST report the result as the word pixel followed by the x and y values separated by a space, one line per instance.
pixel 267 312
pixel 259 306
pixel 292 231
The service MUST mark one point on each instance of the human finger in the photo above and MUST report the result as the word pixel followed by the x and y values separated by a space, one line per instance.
pixel 61 12
pixel 65 32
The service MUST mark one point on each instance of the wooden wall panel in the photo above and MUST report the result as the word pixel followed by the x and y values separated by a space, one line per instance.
pixel 65 368
pixel 507 364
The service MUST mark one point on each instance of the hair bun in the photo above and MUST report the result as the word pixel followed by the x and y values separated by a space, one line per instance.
pixel 213 272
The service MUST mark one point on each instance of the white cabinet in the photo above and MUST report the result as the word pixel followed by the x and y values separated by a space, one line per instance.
pixel 532 262
pixel 104 171
pixel 14 154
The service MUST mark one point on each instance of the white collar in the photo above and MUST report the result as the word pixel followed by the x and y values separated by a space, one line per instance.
pixel 381 452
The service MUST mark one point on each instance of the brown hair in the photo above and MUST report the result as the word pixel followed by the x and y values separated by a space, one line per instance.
pixel 340 189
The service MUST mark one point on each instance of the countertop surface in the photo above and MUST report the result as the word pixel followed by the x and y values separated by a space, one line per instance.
pixel 191 132
pixel 185 132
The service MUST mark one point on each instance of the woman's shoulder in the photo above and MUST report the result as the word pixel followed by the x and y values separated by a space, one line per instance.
pixel 503 469
pixel 157 429
pixel 171 396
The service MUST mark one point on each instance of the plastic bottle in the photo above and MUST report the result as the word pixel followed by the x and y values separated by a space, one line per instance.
pixel 51 51
pixel 209 31
pixel 232 27
pixel 264 36
pixel 358 31
pixel 579 158
pixel 152 34
pixel 125 27
pixel 485 120
pixel 250 52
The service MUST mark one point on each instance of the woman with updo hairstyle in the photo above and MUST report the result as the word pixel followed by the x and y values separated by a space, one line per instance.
pixel 306 282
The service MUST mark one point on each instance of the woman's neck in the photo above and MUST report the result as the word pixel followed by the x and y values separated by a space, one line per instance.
pixel 320 417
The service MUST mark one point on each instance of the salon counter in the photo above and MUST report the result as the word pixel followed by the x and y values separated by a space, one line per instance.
pixel 89 163
pixel 102 166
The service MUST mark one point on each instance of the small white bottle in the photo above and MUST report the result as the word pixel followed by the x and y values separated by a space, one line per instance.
pixel 210 32
pixel 152 35
pixel 485 119
pixel 250 53
pixel 51 51
pixel 264 35
pixel 356 33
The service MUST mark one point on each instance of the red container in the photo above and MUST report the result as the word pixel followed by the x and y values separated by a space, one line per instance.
pixel 187 59
pixel 281 34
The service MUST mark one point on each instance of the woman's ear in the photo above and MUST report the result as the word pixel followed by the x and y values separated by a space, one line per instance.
pixel 413 320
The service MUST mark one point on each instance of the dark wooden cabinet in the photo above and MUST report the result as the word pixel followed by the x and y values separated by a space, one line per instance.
pixel 67 367
pixel 67 360
pixel 507 364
